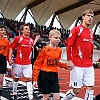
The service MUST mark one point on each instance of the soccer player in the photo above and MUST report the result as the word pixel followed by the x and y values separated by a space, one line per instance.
pixel 46 66
pixel 4 51
pixel 22 63
pixel 79 47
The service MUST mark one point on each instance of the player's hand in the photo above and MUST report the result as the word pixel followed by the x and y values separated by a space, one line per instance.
pixel 37 37
pixel 11 62
pixel 9 69
pixel 35 84
pixel 70 65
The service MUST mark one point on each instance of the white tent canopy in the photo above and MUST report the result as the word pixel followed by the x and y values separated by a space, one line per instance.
pixel 67 10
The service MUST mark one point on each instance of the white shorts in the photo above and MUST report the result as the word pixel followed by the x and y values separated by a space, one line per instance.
pixel 20 70
pixel 80 76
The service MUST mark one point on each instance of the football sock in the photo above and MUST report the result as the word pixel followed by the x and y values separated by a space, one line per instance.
pixel 15 84
pixel 30 89
pixel 89 95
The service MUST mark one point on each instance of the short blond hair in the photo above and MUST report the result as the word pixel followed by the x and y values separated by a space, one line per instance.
pixel 88 11
pixel 54 31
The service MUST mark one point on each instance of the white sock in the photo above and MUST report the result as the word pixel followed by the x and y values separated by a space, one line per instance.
pixel 15 84
pixel 30 89
pixel 69 95
pixel 89 95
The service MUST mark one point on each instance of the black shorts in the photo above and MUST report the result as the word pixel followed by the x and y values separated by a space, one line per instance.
pixel 48 82
pixel 3 64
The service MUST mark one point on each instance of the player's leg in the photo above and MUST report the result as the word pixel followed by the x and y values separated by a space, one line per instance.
pixel 55 85
pixel 1 83
pixel 89 83
pixel 45 84
pixel 3 66
pixel 27 72
pixel 45 96
pixel 17 74
pixel 56 96
pixel 76 75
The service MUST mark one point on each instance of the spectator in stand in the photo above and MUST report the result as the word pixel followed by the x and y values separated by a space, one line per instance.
pixel 79 50
pixel 4 51
pixel 22 63
pixel 37 47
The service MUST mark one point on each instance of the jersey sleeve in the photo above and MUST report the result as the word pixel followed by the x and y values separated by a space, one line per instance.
pixel 14 43
pixel 7 49
pixel 72 37
pixel 38 64
pixel 61 64
pixel 68 51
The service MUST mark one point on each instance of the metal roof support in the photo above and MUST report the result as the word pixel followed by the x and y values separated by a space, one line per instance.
pixel 1 13
pixel 52 21
pixel 71 7
pixel 33 18
pixel 34 3
pixel 97 12
pixel 76 22
pixel 59 22
pixel 79 19
pixel 25 14
pixel 96 28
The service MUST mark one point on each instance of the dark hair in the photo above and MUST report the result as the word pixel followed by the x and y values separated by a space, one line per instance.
pixel 22 26
pixel 2 26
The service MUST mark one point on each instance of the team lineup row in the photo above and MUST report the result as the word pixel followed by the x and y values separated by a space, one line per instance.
pixel 44 74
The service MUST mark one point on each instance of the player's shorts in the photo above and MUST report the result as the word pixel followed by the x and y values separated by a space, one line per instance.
pixel 80 76
pixel 49 82
pixel 20 70
pixel 3 64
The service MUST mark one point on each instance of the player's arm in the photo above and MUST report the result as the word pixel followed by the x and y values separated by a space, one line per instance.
pixel 36 39
pixel 69 58
pixel 12 47
pixel 63 64
pixel 7 49
pixel 10 56
pixel 69 43
pixel 37 66
pixel 60 63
